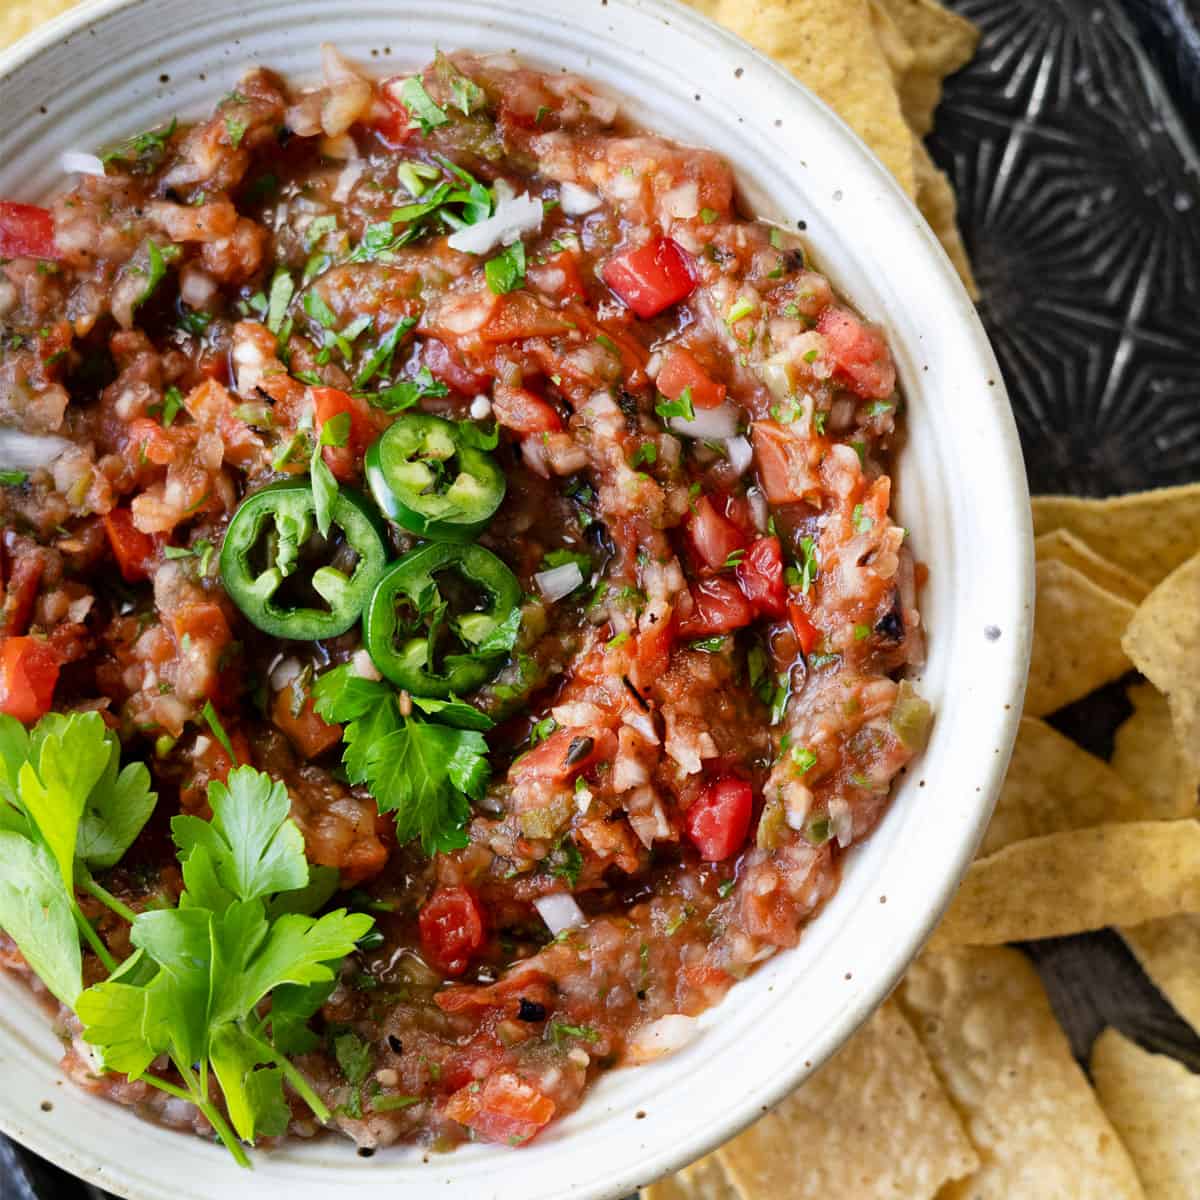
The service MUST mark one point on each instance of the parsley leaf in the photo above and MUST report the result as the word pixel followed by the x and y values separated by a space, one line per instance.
pixel 455 712
pixel 408 392
pixel 468 95
pixel 324 485
pixel 506 272
pixel 680 407
pixel 503 637
pixel 380 359
pixel 282 290
pixel 419 104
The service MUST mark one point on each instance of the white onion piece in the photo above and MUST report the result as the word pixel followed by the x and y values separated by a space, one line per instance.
pixel 841 821
pixel 643 724
pixel 335 66
pixel 577 200
pixel 758 509
pixel 514 217
pixel 714 424
pixel 285 673
pixel 348 178
pixel 739 453
pixel 481 408
pixel 28 451
pixel 75 163
pixel 682 202
pixel 364 666
pixel 560 912
pixel 664 1036
pixel 558 582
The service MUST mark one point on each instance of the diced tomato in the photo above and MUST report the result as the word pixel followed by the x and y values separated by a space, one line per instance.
pixel 523 412
pixel 452 929
pixel 681 371
pixel 782 459
pixel 28 675
pixel 202 635
pixel 26 231
pixel 149 442
pixel 444 365
pixel 390 118
pixel 760 576
pixel 328 403
pixel 858 354
pixel 134 550
pixel 522 315
pixel 653 277
pixel 504 1108
pixel 654 646
pixel 807 634
pixel 720 607
pixel 717 823
pixel 20 594
pixel 713 537
pixel 304 728
pixel 559 276
pixel 564 754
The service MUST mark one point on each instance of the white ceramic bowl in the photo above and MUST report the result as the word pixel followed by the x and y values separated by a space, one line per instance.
pixel 117 66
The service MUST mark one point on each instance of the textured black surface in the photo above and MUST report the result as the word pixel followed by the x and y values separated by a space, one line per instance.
pixel 1071 140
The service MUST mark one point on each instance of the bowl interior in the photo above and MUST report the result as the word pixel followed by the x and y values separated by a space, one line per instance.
pixel 121 65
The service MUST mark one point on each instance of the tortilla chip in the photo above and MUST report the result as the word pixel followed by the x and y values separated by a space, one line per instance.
pixel 830 46
pixel 1147 533
pixel 874 1122
pixel 1169 951
pixel 1076 638
pixel 899 54
pixel 1075 881
pixel 1053 785
pixel 1063 546
pixel 936 200
pixel 1164 642
pixel 987 1026
pixel 1154 1103
pixel 1147 756
pixel 942 43
pixel 19 17
pixel 703 1180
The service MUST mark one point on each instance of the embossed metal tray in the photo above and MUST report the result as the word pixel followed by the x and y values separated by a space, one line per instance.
pixel 1072 143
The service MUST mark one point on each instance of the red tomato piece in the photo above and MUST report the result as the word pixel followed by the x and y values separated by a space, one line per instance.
pixel 452 929
pixel 559 276
pixel 653 277
pixel 444 365
pixel 344 460
pixel 26 231
pixel 564 754
pixel 858 354
pixel 713 536
pixel 720 607
pixel 807 634
pixel 504 1108
pixel 389 118
pixel 760 576
pixel 306 731
pixel 134 550
pixel 782 459
pixel 521 315
pixel 681 371
pixel 28 674
pixel 717 823
pixel 523 412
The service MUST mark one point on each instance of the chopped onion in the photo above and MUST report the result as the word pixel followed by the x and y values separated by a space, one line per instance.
pixel 758 509
pixel 513 217
pixel 364 666
pixel 709 423
pixel 350 175
pixel 739 453
pixel 560 912
pixel 641 722
pixel 75 163
pixel 841 821
pixel 558 582
pixel 285 673
pixel 577 200
pixel 28 451
pixel 664 1036
pixel 682 202
pixel 481 408
pixel 335 66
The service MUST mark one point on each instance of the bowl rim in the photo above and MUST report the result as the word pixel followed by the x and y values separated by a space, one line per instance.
pixel 899 953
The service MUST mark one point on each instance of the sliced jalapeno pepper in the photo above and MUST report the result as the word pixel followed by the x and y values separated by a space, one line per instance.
pixel 426 479
pixel 285 577
pixel 414 637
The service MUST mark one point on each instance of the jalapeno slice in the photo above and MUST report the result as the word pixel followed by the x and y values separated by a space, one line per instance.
pixel 432 612
pixel 426 479
pixel 285 577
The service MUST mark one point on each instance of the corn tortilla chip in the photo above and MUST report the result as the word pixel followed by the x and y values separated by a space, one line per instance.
pixel 830 46
pixel 1076 638
pixel 1147 756
pixel 1164 642
pixel 1154 1103
pixel 19 17
pixel 1063 546
pixel 899 54
pixel 703 1180
pixel 1075 881
pixel 1169 951
pixel 936 200
pixel 1147 533
pixel 987 1026
pixel 1054 785
pixel 942 43
pixel 874 1122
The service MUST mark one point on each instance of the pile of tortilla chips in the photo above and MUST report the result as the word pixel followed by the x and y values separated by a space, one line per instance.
pixel 963 1086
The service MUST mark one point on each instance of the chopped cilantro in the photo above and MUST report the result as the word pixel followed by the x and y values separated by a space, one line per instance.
pixel 506 272
pixel 419 104
pixel 13 478
pixel 681 407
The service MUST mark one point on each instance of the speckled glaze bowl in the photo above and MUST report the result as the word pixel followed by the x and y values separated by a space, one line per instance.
pixel 113 67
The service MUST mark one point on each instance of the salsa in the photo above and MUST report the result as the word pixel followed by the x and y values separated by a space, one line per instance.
pixel 473 535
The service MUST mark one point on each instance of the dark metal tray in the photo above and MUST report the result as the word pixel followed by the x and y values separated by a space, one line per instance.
pixel 1072 143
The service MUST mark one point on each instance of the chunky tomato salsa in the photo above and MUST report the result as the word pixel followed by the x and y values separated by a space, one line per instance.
pixel 453 622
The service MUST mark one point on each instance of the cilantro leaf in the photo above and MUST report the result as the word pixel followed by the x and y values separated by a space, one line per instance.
pixel 455 712
pixel 282 291
pixel 325 489
pixel 681 406
pixel 472 435
pixel 419 104
pixel 13 478
pixel 408 392
pixel 353 1056
pixel 253 1097
pixel 503 637
pixel 506 272
pixel 379 361
pixel 468 95
pixel 255 848
pixel 292 1007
